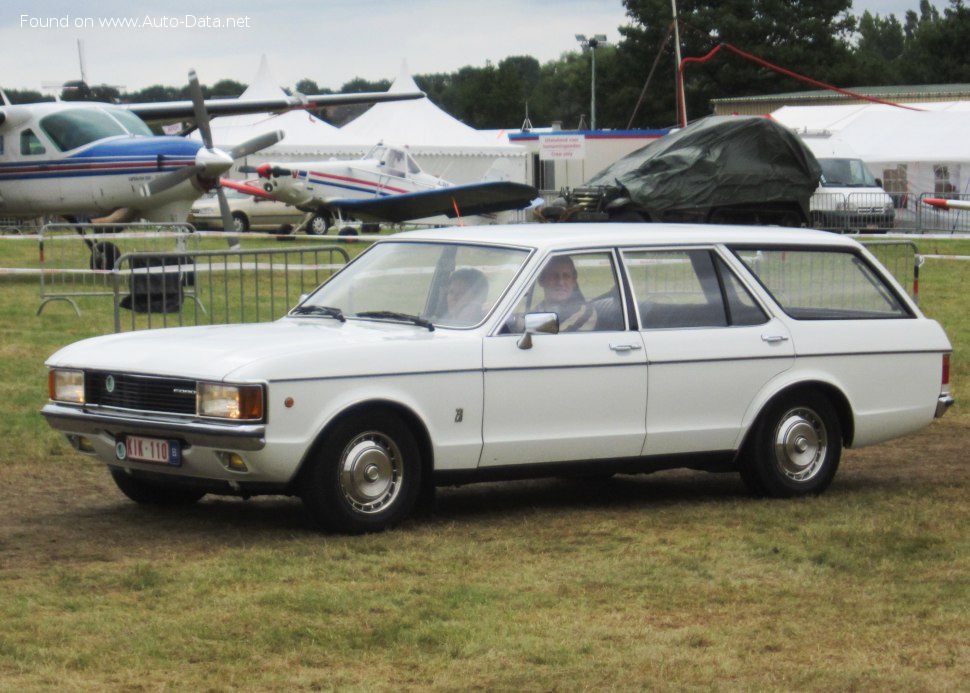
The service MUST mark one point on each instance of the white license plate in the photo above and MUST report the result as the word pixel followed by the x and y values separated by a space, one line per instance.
pixel 154 450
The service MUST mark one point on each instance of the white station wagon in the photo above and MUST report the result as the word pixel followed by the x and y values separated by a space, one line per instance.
pixel 459 355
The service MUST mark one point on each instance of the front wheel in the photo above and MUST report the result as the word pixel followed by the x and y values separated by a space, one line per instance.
pixel 364 477
pixel 795 447
pixel 318 225
pixel 154 493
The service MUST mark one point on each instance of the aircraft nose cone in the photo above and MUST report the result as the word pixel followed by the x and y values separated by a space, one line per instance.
pixel 213 162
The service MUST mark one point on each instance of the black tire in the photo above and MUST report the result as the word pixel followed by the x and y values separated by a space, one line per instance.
pixel 364 477
pixel 795 447
pixel 348 231
pixel 240 223
pixel 318 225
pixel 154 493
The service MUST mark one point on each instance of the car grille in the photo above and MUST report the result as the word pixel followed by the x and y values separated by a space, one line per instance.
pixel 140 393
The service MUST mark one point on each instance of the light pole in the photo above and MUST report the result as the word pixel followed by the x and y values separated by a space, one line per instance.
pixel 591 44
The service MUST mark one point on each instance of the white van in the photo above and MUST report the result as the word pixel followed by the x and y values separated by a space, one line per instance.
pixel 849 197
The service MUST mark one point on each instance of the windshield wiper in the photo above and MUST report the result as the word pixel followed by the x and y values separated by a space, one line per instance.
pixel 392 315
pixel 326 311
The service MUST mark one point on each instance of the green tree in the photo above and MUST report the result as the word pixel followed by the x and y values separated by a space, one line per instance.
pixel 308 86
pixel 809 37
pixel 880 50
pixel 225 88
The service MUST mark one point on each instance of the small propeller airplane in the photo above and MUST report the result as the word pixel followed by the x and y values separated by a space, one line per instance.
pixel 385 185
pixel 82 160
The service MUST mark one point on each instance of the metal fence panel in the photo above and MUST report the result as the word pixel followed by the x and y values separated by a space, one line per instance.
pixel 76 260
pixel 902 259
pixel 937 220
pixel 216 286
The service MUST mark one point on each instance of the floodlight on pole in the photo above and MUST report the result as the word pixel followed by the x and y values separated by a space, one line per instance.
pixel 591 44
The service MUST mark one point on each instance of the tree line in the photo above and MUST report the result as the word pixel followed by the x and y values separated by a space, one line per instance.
pixel 819 38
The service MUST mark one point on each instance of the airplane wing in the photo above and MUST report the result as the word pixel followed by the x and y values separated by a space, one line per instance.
pixel 243 188
pixel 173 110
pixel 475 198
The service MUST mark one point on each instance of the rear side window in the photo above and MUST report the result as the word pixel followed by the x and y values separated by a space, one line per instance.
pixel 688 288
pixel 812 284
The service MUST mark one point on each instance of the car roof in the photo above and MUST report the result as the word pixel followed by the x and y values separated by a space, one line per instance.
pixel 564 236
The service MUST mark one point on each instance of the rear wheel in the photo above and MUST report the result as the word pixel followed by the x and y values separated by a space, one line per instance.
pixel 365 476
pixel 795 447
pixel 147 492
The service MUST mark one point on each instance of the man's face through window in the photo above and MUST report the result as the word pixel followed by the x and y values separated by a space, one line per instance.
pixel 558 280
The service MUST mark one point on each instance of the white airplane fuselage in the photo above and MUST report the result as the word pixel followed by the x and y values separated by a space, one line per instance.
pixel 316 183
pixel 384 171
pixel 42 174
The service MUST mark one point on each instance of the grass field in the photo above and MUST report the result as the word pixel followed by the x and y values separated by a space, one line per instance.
pixel 668 581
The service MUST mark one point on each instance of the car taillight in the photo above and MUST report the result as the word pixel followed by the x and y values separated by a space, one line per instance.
pixel 946 369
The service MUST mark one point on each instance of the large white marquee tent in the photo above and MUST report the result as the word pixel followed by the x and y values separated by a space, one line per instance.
pixel 442 145
pixel 912 151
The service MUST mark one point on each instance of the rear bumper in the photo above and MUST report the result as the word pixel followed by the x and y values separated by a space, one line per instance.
pixel 942 404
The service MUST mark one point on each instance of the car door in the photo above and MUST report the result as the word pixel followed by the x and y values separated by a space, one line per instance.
pixel 710 347
pixel 579 394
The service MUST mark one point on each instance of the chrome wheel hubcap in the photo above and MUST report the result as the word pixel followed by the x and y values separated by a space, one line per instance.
pixel 801 443
pixel 370 472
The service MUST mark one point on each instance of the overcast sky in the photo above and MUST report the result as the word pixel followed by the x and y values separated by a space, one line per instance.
pixel 329 41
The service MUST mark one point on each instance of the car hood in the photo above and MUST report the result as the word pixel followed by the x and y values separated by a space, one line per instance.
pixel 288 349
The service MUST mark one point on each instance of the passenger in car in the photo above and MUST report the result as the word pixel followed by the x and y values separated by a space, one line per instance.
pixel 562 295
pixel 465 298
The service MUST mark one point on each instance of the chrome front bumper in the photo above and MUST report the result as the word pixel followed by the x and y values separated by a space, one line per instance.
pixel 78 420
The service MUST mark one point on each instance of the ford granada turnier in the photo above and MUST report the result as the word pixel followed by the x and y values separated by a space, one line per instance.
pixel 459 355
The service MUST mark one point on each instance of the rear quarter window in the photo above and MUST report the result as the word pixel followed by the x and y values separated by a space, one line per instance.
pixel 823 284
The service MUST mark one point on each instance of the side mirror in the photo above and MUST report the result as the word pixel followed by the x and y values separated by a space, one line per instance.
pixel 538 323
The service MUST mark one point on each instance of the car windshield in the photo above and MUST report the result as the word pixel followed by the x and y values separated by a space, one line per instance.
pixel 444 284
pixel 851 173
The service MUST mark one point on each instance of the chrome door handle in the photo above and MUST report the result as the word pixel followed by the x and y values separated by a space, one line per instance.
pixel 773 338
pixel 625 347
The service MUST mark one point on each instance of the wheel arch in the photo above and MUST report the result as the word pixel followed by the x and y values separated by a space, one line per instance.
pixel 407 415
pixel 831 392
pixel 243 218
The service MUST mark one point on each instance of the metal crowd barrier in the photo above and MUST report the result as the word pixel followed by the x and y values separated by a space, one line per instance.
pixel 76 260
pixel 902 259
pixel 859 212
pixel 937 220
pixel 165 289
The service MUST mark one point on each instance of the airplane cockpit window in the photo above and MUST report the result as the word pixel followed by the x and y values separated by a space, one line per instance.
pixel 30 144
pixel 413 167
pixel 376 152
pixel 394 162
pixel 75 128
pixel 131 122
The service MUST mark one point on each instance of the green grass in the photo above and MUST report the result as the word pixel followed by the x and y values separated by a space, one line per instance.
pixel 669 581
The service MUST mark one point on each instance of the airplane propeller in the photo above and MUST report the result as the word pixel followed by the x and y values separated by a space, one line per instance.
pixel 210 162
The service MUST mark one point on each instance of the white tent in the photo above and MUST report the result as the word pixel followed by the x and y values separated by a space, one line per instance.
pixel 912 151
pixel 304 132
pixel 442 145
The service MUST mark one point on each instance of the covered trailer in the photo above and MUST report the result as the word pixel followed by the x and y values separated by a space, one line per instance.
pixel 722 169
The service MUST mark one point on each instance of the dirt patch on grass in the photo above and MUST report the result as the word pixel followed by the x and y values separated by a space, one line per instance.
pixel 59 514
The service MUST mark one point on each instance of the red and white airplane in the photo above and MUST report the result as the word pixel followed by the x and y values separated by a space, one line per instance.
pixel 385 185
pixel 82 160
